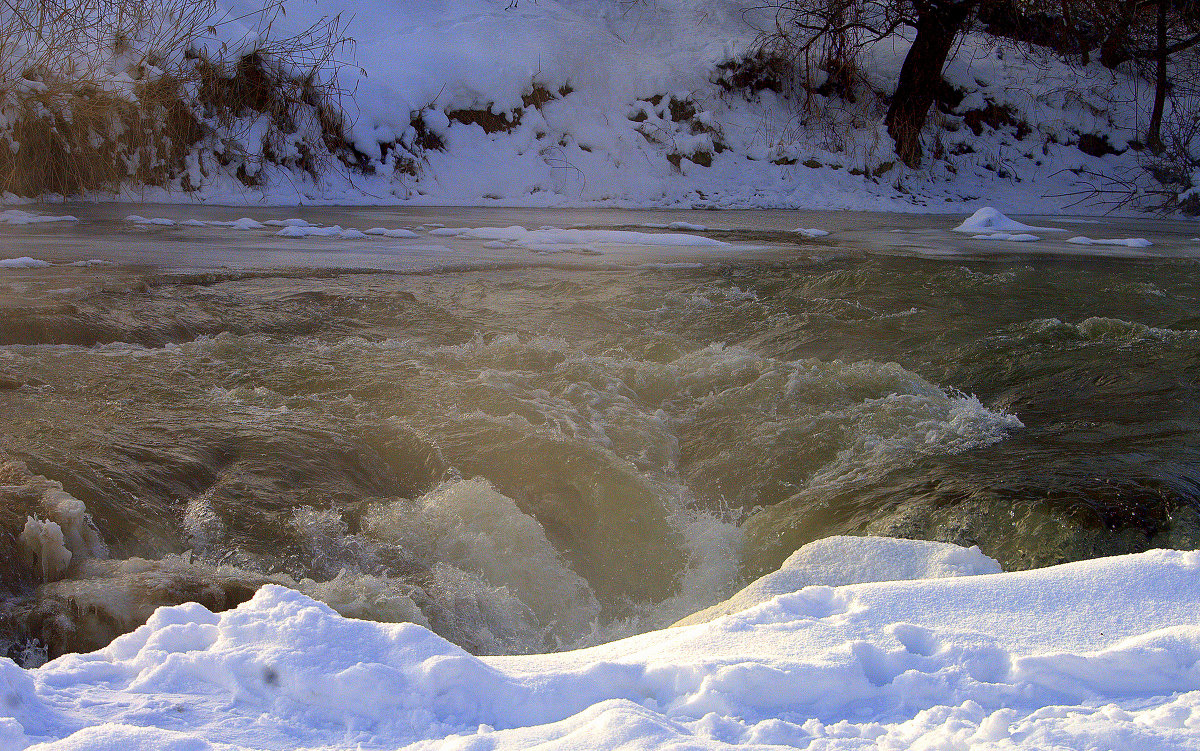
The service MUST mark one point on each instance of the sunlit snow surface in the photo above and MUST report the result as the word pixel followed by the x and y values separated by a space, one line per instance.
pixel 1098 654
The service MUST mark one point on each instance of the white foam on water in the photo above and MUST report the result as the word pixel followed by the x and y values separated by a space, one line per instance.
pixel 471 526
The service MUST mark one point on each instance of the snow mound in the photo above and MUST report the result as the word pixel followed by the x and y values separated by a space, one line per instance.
pixel 988 221
pixel 810 232
pixel 1128 242
pixel 24 262
pixel 841 560
pixel 16 216
pixel 1097 654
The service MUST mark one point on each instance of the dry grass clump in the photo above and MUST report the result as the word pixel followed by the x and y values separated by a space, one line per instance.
pixel 96 94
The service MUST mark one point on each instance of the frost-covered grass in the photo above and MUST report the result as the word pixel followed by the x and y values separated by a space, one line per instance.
pixel 1097 654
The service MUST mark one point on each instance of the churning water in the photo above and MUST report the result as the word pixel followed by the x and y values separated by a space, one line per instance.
pixel 536 446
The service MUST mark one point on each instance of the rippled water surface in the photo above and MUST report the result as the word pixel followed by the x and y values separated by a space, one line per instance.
pixel 530 447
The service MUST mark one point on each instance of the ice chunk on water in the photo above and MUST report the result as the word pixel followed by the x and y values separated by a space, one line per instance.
pixel 384 232
pixel 16 216
pixel 158 221
pixel 311 231
pixel 44 548
pixel 24 262
pixel 1019 237
pixel 1128 242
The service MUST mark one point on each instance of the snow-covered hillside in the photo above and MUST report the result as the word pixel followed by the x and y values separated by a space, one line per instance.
pixel 654 103
pixel 1097 654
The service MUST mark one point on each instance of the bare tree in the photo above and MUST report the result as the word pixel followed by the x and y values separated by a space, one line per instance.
pixel 827 33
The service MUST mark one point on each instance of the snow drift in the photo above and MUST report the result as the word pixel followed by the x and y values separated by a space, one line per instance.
pixel 1101 653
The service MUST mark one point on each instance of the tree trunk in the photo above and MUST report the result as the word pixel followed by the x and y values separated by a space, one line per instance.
pixel 1154 130
pixel 1071 28
pixel 921 75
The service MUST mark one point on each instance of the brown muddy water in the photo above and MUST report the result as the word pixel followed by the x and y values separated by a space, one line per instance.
pixel 529 445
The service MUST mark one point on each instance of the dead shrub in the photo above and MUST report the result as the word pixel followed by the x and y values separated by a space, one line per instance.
pixel 96 94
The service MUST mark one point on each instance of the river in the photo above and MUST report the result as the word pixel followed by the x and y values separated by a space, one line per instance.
pixel 529 439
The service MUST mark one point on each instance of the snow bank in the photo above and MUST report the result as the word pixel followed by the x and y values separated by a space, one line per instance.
pixel 638 104
pixel 1101 653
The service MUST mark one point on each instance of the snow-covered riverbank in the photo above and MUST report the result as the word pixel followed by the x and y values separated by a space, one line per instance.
pixel 1097 654
pixel 643 104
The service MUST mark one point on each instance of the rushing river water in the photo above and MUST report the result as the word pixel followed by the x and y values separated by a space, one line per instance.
pixel 529 442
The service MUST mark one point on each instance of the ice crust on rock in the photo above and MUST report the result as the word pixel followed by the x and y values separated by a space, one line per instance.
pixel 1100 653
pixel 44 547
